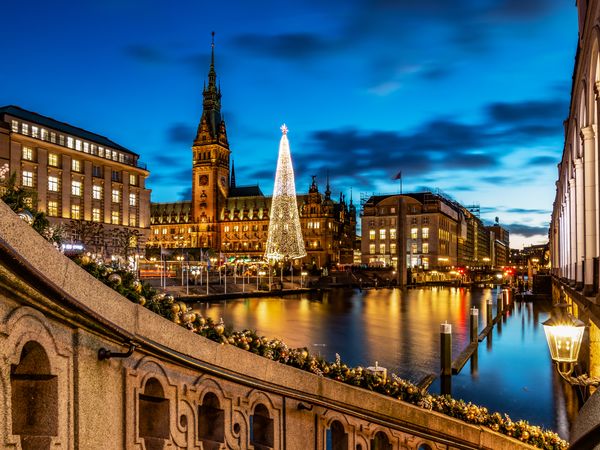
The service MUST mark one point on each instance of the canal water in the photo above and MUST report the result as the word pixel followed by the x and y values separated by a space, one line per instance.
pixel 400 330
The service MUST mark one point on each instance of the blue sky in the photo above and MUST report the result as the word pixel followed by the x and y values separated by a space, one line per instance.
pixel 467 96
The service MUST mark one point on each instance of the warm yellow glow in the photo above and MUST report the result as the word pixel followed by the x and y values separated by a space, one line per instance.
pixel 564 341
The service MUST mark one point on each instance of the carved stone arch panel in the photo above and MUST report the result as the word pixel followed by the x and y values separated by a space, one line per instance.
pixel 208 385
pixel 146 373
pixel 273 404
pixel 393 439
pixel 351 425
pixel 23 331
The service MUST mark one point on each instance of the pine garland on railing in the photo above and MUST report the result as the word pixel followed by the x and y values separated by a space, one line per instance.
pixel 274 349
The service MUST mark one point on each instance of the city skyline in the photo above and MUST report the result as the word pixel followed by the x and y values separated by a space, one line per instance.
pixel 477 90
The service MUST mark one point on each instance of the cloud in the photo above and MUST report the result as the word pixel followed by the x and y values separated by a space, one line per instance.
pixel 528 211
pixel 185 194
pixel 543 161
pixel 526 230
pixel 145 53
pixel 529 112
pixel 289 46
pixel 180 133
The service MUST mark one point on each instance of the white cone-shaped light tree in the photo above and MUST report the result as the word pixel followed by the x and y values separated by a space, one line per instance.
pixel 285 239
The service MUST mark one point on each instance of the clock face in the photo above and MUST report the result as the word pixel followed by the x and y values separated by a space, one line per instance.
pixel 203 180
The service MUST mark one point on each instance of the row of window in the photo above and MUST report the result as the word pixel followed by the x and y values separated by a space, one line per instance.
pixel 97 216
pixel 382 234
pixel 67 141
pixel 414 248
pixel 76 188
pixel 54 161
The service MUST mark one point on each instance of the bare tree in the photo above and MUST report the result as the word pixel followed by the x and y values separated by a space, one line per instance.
pixel 90 234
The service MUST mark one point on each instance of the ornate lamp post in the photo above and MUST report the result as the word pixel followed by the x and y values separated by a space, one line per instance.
pixel 564 333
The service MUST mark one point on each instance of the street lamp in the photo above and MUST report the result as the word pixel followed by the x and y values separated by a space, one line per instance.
pixel 564 333
pixel 302 274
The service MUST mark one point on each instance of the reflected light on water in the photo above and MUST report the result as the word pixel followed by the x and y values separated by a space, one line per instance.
pixel 400 329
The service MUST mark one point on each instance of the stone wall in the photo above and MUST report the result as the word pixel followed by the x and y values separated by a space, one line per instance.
pixel 177 390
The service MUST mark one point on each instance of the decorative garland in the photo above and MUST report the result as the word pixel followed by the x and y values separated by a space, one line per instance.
pixel 274 349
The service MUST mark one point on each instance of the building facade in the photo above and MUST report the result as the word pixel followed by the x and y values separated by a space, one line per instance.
pixel 428 231
pixel 574 241
pixel 232 220
pixel 82 180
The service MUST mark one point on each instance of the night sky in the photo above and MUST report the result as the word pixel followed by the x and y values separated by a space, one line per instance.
pixel 467 96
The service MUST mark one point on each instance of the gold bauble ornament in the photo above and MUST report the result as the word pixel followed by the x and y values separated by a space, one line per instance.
pixel 525 435
pixel 137 286
pixel 115 278
pixel 85 260
pixel 175 308
pixel 142 300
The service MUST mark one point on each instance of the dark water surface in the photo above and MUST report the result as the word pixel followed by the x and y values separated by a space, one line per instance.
pixel 513 372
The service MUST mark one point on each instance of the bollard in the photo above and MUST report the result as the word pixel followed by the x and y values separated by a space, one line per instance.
pixel 500 304
pixel 446 348
pixel 488 321
pixel 474 324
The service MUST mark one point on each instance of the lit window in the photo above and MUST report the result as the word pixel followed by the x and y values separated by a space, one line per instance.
pixel 425 247
pixel 94 149
pixel 372 235
pixel 61 140
pixel 86 147
pixel 114 155
pixel 414 248
pixel 53 137
pixel 27 153
pixel 96 214
pixel 116 196
pixel 392 210
pixel 372 249
pixel 27 179
pixel 75 212
pixel 35 132
pixel 53 184
pixel 44 134
pixel 24 128
pixel 101 151
pixel 53 159
pixel 382 233
pixel 70 141
pixel 77 144
pixel 393 233
pixel 53 208
pixel 425 233
pixel 245 228
pixel 132 199
pixel 382 248
pixel 393 249
pixel 164 231
pixel 413 233
pixel 15 126
pixel 75 165
pixel 132 219
pixel 76 188
pixel 121 158
pixel 425 263
pixel 226 229
pixel 236 228
pixel 156 231
pixel 114 218
pixel 97 192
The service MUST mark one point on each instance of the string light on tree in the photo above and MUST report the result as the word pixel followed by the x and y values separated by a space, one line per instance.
pixel 285 239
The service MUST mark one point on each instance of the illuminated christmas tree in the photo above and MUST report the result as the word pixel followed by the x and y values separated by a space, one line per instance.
pixel 285 236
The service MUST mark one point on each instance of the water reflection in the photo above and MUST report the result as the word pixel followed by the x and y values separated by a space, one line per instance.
pixel 511 372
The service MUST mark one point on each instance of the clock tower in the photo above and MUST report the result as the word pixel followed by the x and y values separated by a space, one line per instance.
pixel 210 163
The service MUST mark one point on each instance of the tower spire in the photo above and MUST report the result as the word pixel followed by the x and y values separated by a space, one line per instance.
pixel 327 190
pixel 211 105
pixel 232 182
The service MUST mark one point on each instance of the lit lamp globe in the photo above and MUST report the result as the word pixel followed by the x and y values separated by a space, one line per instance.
pixel 564 334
